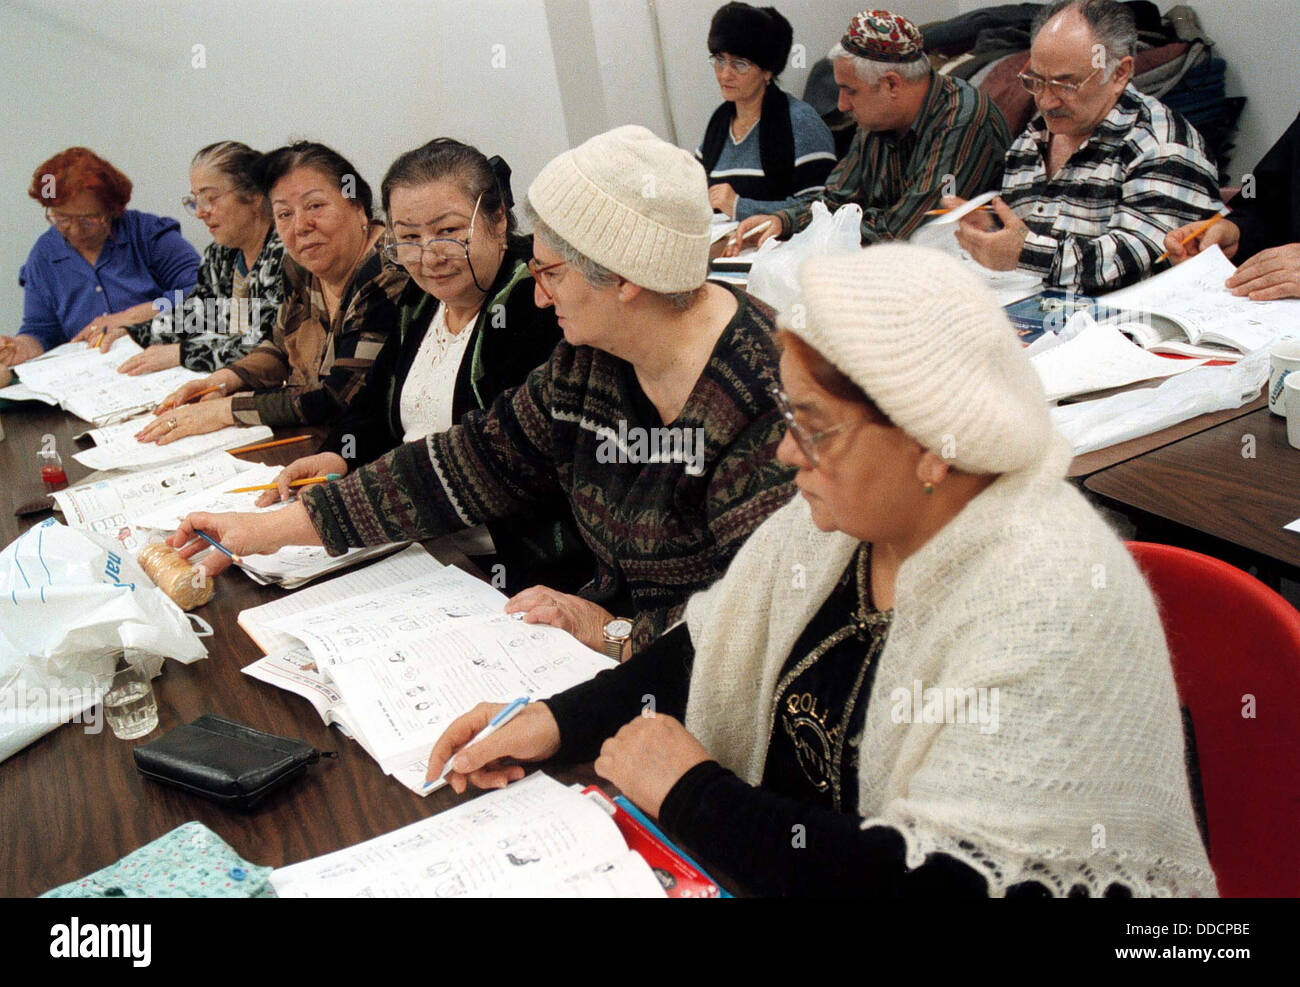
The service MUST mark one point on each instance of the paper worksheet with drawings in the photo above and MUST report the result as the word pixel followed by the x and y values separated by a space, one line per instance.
pixel 117 448
pixel 536 836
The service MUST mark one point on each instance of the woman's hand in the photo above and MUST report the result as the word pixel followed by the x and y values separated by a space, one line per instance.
pixel 104 329
pixel 647 757
pixel 723 199
pixel 190 419
pixel 243 534
pixel 583 619
pixel 227 382
pixel 532 735
pixel 158 357
pixel 18 349
pixel 740 238
pixel 321 464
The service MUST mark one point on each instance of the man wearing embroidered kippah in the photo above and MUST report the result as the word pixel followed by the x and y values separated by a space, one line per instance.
pixel 920 135
pixel 1102 173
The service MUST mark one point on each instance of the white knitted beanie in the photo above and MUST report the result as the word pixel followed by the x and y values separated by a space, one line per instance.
pixel 927 341
pixel 632 203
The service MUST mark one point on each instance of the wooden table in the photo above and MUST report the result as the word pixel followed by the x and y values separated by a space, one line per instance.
pixel 72 802
pixel 1209 484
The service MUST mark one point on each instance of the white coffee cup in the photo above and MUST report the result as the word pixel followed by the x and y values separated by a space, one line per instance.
pixel 1291 392
pixel 1283 360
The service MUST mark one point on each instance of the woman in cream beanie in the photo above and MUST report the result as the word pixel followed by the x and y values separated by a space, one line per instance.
pixel 937 667
pixel 652 420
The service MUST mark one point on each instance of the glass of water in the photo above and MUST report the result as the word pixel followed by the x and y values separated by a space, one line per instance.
pixel 130 706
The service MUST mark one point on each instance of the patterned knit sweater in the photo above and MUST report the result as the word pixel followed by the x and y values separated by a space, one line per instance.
pixel 662 509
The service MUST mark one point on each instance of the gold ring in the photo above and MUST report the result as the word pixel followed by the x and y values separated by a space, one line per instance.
pixel 171 423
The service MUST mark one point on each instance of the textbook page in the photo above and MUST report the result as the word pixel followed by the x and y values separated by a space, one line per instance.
pixel 117 448
pixel 107 506
pixel 409 563
pixel 1192 294
pixel 1100 356
pixel 298 563
pixel 535 837
pixel 86 382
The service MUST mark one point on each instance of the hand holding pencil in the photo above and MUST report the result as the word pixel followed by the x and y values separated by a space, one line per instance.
pixel 1188 241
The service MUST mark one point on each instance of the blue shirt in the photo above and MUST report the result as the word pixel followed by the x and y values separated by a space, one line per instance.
pixel 144 258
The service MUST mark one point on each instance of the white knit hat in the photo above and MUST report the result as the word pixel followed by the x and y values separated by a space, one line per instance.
pixel 927 341
pixel 632 203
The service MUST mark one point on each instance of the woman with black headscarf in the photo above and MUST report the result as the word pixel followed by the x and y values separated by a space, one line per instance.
pixel 762 146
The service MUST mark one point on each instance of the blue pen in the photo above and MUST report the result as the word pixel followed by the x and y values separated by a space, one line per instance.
pixel 494 724
pixel 218 546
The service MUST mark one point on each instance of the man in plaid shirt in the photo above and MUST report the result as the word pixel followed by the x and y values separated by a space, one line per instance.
pixel 1102 173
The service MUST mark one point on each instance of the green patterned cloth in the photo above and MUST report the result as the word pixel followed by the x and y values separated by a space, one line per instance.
pixel 189 862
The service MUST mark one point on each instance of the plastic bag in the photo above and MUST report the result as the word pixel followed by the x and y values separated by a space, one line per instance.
pixel 70 602
pixel 774 274
pixel 1093 425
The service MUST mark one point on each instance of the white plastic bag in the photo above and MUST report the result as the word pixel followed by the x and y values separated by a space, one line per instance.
pixel 69 602
pixel 774 275
pixel 1097 424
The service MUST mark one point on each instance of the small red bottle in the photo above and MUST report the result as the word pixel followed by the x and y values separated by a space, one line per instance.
pixel 52 474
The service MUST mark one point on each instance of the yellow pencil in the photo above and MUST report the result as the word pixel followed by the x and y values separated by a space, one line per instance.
pixel 99 339
pixel 268 445
pixel 1197 231
pixel 294 483
pixel 942 212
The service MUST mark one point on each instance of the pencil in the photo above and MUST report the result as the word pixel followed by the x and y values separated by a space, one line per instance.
pixel 941 212
pixel 219 547
pixel 295 483
pixel 99 339
pixel 268 445
pixel 1199 229
pixel 757 229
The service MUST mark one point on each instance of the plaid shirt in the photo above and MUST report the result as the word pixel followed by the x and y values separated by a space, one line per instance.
pixel 1100 222
pixel 311 369
pixel 895 179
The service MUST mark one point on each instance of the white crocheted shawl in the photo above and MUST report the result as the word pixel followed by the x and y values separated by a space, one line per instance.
pixel 1026 593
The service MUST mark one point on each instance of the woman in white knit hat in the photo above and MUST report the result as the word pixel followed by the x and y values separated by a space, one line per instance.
pixel 936 672
pixel 653 417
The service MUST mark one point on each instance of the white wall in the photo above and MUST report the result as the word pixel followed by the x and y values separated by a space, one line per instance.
pixel 520 78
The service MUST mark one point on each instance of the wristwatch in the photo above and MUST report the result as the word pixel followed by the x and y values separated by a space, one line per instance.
pixel 617 633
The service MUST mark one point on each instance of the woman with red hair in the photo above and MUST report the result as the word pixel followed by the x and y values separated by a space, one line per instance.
pixel 100 265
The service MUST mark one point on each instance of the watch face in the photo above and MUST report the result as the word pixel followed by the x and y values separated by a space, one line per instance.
pixel 619 627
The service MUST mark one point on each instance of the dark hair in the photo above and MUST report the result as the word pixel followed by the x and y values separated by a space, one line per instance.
pixel 274 165
pixel 77 170
pixel 239 163
pixel 760 34
pixel 444 159
pixel 1111 22
pixel 829 377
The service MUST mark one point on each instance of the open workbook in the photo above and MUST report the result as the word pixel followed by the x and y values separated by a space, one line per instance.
pixel 1189 312
pixel 394 652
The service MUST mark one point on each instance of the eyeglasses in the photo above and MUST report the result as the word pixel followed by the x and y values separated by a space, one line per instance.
pixel 411 252
pixel 538 270
pixel 740 66
pixel 1061 90
pixel 806 440
pixel 84 221
pixel 204 200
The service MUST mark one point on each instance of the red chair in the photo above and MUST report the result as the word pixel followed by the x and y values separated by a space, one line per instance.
pixel 1232 637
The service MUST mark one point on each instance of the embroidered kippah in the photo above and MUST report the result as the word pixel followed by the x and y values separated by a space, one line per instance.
pixel 881 36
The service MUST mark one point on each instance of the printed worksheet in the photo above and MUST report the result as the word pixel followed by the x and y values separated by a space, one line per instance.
pixel 1100 356
pixel 535 837
pixel 1192 295
pixel 116 446
pixel 108 506
pixel 86 382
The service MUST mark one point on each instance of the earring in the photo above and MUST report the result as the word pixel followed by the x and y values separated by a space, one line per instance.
pixel 928 487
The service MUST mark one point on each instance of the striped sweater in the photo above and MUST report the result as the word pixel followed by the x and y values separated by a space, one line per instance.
pixel 662 517
pixel 954 147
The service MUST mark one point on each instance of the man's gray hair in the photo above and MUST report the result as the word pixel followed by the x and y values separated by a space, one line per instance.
pixel 595 274
pixel 1111 22
pixel 870 73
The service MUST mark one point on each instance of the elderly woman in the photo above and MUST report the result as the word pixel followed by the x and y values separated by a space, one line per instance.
pixel 240 283
pixel 100 266
pixel 935 672
pixel 468 330
pixel 762 147
pixel 653 418
pixel 341 303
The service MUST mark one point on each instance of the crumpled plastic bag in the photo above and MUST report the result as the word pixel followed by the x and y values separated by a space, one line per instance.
pixel 70 602
pixel 774 274
pixel 1090 425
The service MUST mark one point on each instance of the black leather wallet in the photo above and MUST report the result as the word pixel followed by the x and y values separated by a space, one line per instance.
pixel 225 761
